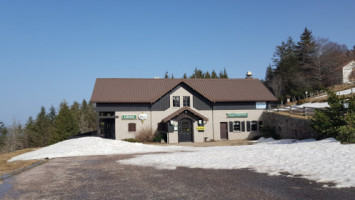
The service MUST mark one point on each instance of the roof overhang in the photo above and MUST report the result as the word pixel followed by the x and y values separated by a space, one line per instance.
pixel 184 110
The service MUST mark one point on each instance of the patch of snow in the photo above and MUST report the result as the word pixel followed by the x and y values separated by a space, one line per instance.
pixel 321 161
pixel 314 105
pixel 93 146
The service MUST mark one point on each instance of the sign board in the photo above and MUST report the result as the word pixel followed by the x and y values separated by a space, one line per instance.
pixel 129 117
pixel 237 115
pixel 142 116
pixel 261 105
pixel 200 128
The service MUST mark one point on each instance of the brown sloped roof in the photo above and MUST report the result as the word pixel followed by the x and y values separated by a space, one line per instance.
pixel 123 90
pixel 176 113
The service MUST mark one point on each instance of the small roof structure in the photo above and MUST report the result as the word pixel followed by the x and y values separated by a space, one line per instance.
pixel 181 110
pixel 123 90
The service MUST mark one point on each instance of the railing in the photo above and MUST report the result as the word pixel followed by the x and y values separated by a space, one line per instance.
pixel 293 110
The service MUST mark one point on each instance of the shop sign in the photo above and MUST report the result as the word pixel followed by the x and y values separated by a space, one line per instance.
pixel 237 115
pixel 261 105
pixel 129 117
pixel 142 117
pixel 200 128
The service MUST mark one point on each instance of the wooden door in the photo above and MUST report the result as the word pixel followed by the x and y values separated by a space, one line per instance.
pixel 224 131
pixel 185 130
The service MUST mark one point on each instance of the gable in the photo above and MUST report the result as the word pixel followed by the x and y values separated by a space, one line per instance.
pixel 197 100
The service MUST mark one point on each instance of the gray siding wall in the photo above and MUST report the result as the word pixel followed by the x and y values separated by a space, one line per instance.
pixel 235 106
pixel 163 103
pixel 200 103
pixel 107 107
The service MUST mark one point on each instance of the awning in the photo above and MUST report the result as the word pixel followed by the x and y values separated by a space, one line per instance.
pixel 184 110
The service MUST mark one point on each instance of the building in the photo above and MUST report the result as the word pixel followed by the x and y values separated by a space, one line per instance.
pixel 343 74
pixel 184 110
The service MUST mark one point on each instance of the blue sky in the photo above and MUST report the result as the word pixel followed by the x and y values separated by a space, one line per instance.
pixel 52 51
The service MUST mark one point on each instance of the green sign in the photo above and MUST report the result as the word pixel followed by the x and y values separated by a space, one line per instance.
pixel 129 116
pixel 237 115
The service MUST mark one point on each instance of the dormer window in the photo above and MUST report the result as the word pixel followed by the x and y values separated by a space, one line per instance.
pixel 176 101
pixel 186 101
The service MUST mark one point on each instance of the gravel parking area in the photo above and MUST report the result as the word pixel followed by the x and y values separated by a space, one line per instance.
pixel 101 177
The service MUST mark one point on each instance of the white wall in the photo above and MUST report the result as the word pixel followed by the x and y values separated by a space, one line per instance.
pixel 347 69
pixel 212 127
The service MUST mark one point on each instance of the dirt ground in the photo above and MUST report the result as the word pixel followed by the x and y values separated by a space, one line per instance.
pixel 101 177
pixel 7 167
pixel 210 144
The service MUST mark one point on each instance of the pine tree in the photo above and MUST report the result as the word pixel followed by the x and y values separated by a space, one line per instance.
pixel 39 131
pixel 185 76
pixel 214 74
pixel 65 123
pixel 207 75
pixel 3 134
pixel 52 114
pixel 76 111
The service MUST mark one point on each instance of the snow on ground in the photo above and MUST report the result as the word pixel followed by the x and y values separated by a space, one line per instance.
pixel 323 161
pixel 314 105
pixel 87 146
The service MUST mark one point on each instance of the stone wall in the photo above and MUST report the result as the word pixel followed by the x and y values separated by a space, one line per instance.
pixel 289 127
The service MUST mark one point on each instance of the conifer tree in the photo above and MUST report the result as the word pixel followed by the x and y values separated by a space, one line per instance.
pixel 52 114
pixel 185 76
pixel 3 134
pixel 214 74
pixel 207 75
pixel 65 123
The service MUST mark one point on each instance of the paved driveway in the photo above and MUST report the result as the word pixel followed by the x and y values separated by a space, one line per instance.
pixel 100 177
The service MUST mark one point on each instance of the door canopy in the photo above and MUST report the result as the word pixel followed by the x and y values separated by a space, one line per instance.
pixel 185 112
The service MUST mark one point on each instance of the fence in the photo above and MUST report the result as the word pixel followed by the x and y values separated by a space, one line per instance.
pixel 294 110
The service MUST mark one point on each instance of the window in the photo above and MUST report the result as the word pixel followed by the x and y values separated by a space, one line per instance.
pixel 254 125
pixel 176 101
pixel 260 125
pixel 248 125
pixel 243 126
pixel 132 127
pixel 186 101
pixel 236 126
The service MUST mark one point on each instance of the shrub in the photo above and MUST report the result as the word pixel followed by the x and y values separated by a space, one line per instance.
pixel 130 140
pixel 336 121
pixel 145 135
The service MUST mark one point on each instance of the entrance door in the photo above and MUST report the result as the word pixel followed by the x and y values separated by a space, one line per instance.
pixel 224 131
pixel 185 130
pixel 108 128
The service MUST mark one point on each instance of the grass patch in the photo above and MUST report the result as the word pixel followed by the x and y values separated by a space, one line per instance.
pixel 7 167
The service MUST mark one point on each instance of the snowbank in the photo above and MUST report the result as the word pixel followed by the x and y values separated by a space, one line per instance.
pixel 314 105
pixel 92 146
pixel 321 161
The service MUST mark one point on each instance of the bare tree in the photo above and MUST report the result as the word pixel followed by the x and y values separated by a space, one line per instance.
pixel 15 138
pixel 330 56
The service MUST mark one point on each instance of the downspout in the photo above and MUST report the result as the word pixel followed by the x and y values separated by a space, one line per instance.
pixel 151 119
pixel 213 122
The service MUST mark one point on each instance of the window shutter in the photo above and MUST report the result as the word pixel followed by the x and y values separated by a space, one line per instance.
pixel 230 126
pixel 248 125
pixel 243 126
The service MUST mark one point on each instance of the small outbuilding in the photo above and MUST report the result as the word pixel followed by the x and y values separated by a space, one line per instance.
pixel 184 110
